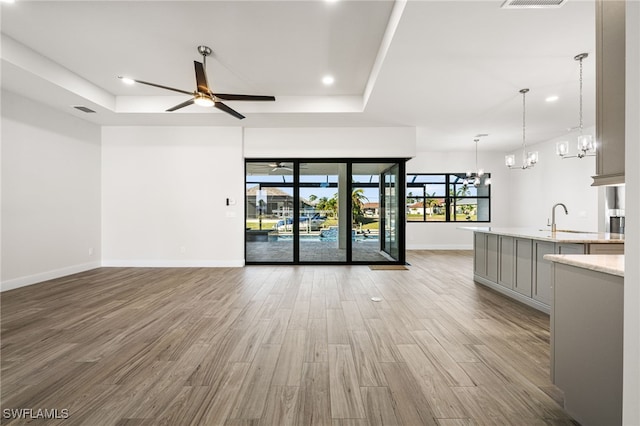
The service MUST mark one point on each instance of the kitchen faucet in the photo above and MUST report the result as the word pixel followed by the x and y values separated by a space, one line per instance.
pixel 553 215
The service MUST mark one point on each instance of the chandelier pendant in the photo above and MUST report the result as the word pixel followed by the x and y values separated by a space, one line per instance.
pixel 586 144
pixel 529 159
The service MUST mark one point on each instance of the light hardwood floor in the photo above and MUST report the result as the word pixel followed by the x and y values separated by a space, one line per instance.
pixel 276 345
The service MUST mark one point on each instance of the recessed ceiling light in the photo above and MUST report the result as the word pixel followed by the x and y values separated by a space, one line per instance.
pixel 331 1
pixel 7 1
pixel 127 80
pixel 328 80
pixel 552 98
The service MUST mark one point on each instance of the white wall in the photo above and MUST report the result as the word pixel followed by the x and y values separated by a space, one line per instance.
pixel 50 193
pixel 447 236
pixel 631 386
pixel 344 142
pixel 553 180
pixel 164 192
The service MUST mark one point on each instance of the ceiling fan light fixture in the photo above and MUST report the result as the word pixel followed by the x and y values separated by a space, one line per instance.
pixel 203 95
pixel 127 80
pixel 203 100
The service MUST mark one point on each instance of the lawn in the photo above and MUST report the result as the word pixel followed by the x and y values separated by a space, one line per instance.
pixel 440 218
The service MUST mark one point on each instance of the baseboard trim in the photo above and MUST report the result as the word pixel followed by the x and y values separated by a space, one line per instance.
pixel 513 294
pixel 172 263
pixel 45 276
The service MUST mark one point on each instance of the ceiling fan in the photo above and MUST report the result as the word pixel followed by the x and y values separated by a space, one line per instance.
pixel 280 166
pixel 203 95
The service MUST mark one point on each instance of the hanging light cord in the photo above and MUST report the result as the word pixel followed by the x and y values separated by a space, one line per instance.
pixel 476 141
pixel 581 122
pixel 524 145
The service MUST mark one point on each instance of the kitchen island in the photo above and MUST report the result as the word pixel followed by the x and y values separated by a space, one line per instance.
pixel 587 335
pixel 511 260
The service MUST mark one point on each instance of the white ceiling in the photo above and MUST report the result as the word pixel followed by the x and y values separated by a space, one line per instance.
pixel 452 69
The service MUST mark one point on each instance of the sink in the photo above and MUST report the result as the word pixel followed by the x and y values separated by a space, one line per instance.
pixel 571 231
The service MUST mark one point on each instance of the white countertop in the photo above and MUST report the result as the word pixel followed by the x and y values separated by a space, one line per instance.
pixel 608 263
pixel 557 237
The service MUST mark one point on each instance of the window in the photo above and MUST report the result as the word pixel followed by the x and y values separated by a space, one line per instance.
pixel 444 197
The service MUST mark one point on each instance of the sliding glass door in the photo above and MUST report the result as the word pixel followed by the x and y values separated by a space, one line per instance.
pixel 269 210
pixel 324 211
pixel 390 211
pixel 323 230
pixel 369 212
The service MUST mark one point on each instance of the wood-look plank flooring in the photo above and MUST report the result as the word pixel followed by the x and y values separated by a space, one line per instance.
pixel 278 345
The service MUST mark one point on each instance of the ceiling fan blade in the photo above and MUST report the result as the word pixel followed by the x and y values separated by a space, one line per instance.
pixel 163 87
pixel 201 78
pixel 182 105
pixel 228 110
pixel 232 97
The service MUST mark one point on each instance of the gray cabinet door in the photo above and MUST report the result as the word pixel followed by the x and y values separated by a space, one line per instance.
pixel 543 273
pixel 480 254
pixel 562 248
pixel 507 261
pixel 523 249
pixel 492 257
pixel 587 343
pixel 605 249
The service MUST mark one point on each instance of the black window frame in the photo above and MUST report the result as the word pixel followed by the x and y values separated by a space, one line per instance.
pixel 296 184
pixel 450 202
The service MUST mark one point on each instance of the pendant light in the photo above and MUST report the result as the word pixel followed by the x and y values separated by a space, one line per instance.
pixel 476 177
pixel 529 159
pixel 586 144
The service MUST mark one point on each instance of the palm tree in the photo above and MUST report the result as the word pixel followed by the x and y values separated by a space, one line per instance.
pixel 321 204
pixel 466 209
pixel 431 202
pixel 332 205
pixel 410 198
pixel 357 202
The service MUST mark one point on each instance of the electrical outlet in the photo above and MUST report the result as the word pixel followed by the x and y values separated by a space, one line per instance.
pixel 90 251
pixel 183 249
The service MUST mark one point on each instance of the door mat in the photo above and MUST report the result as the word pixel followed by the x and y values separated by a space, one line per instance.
pixel 388 267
